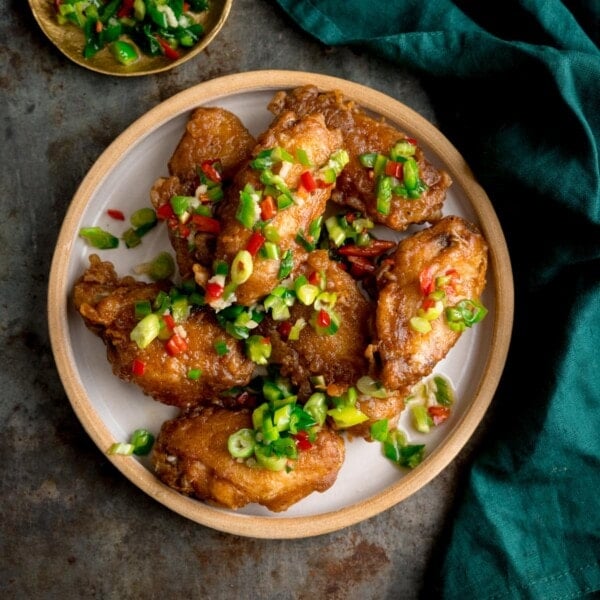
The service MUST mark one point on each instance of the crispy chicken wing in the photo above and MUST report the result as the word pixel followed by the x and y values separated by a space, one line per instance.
pixel 107 304
pixel 212 135
pixel 340 357
pixel 356 186
pixel 311 135
pixel 454 250
pixel 191 456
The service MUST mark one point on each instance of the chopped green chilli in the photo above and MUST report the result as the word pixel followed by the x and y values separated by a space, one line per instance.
pixel 132 28
pixel 140 443
pixel 396 174
pixel 99 238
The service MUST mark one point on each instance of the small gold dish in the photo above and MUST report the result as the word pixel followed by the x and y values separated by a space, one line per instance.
pixel 69 39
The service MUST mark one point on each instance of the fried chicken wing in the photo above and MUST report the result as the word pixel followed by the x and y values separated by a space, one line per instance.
pixel 107 305
pixel 452 252
pixel 191 456
pixel 290 133
pixel 213 136
pixel 339 358
pixel 356 186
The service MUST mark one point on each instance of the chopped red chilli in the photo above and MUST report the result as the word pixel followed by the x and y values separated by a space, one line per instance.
pixel 210 169
pixel 138 367
pixel 167 49
pixel 255 243
pixel 116 214
pixel 176 345
pixel 165 211
pixel 206 224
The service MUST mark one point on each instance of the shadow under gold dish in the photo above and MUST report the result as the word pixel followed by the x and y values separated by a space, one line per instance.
pixel 70 40
pixel 111 409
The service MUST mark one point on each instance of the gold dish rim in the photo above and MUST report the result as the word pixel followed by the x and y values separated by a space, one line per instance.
pixel 68 40
pixel 281 527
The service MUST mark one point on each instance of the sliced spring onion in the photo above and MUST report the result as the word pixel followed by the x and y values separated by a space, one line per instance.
pixel 316 407
pixel 370 387
pixel 420 325
pixel 411 174
pixel 121 448
pixel 302 157
pixel 379 430
pixel 268 460
pixel 99 238
pixel 248 210
pixel 383 191
pixel 194 374
pixel 336 233
pixel 433 312
pixel 160 268
pixel 421 420
pixel 305 292
pixel 142 441
pixel 143 217
pixel 242 267
pixel 402 149
pixel 297 327
pixel 347 416
pixel 221 347
pixel 444 394
pixel 258 349
pixel 242 443
pixel 398 451
pixel 146 330
pixel 270 251
pixel 287 264
pixel 142 308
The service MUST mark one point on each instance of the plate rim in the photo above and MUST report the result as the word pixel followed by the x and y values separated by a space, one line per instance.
pixel 448 448
pixel 120 70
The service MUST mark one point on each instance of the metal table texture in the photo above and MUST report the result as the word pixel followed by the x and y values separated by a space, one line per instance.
pixel 71 526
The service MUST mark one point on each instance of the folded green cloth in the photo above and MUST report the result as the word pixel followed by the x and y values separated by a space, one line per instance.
pixel 516 88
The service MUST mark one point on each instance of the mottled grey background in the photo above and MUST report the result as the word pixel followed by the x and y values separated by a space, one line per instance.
pixel 71 526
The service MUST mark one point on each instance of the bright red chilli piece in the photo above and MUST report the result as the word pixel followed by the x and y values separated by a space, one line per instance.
pixel 323 318
pixel 176 345
pixel 138 367
pixel 255 243
pixel 115 214
pixel 165 211
pixel 209 169
pixel 302 441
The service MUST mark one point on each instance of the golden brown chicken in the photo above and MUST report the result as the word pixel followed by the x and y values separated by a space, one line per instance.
pixel 442 267
pixel 191 456
pixel 357 187
pixel 439 269
pixel 211 134
pixel 164 369
pixel 339 357
pixel 285 197
pixel 213 147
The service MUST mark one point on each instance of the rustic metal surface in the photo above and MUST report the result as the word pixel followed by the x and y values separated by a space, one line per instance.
pixel 71 526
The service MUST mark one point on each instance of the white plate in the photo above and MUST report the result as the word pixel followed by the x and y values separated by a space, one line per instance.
pixel 110 409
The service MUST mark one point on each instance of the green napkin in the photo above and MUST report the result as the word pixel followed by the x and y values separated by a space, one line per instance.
pixel 516 87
